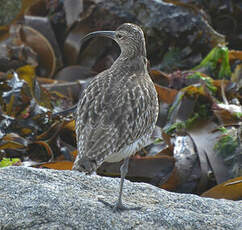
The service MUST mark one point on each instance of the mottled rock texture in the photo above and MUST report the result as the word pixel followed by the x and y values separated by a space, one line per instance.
pixel 47 199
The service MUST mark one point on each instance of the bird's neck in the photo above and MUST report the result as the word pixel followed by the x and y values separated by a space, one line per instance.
pixel 134 51
pixel 131 63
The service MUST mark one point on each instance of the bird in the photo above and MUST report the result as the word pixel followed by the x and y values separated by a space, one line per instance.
pixel 117 112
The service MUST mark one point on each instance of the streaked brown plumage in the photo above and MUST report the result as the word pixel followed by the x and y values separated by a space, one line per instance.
pixel 117 112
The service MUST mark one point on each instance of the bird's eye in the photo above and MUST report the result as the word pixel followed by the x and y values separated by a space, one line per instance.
pixel 119 36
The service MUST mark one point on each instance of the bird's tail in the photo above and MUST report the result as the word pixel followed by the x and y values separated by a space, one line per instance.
pixel 84 164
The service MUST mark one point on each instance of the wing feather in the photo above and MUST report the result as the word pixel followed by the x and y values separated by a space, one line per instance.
pixel 113 114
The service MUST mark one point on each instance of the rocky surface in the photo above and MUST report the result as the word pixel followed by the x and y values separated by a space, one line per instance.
pixel 47 199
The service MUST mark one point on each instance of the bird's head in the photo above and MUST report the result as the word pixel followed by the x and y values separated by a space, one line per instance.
pixel 129 37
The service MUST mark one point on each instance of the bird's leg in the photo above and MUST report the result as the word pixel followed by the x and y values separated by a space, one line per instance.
pixel 123 171
pixel 119 205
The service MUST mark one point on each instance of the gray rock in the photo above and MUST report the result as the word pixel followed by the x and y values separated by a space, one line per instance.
pixel 47 199
pixel 176 37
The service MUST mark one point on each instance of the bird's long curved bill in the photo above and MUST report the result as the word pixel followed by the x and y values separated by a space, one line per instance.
pixel 109 34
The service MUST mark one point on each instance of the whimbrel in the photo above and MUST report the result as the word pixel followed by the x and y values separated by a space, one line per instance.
pixel 117 112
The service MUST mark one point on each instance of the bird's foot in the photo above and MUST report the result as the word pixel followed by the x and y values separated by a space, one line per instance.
pixel 118 207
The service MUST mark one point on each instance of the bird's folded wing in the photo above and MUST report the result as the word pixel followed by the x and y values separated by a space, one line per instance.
pixel 113 117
